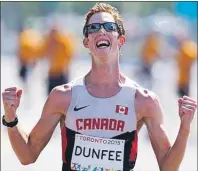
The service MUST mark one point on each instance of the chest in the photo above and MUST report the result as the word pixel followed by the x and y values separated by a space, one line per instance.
pixel 107 117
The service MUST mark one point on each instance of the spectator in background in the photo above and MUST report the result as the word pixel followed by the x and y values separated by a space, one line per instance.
pixel 59 50
pixel 29 48
pixel 149 54
pixel 186 56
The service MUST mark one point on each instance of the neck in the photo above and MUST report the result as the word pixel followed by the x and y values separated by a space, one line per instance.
pixel 105 73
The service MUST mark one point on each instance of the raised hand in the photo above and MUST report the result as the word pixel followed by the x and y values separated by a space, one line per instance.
pixel 11 100
pixel 187 108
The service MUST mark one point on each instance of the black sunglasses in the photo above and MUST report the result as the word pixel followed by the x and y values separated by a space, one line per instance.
pixel 95 27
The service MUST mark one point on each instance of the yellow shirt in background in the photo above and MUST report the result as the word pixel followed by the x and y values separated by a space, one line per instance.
pixel 30 45
pixel 187 55
pixel 150 49
pixel 60 52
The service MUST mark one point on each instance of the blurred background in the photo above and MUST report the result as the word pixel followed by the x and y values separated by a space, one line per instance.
pixel 41 47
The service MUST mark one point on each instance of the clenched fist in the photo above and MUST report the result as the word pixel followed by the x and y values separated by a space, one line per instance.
pixel 11 100
pixel 187 108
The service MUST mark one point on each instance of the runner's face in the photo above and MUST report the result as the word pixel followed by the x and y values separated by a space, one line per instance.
pixel 111 42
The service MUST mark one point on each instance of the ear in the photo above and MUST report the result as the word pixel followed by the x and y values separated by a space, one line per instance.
pixel 85 42
pixel 122 40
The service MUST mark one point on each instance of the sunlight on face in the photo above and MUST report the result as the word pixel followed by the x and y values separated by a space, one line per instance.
pixel 103 53
pixel 101 18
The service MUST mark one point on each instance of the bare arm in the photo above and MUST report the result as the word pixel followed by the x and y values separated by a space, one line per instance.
pixel 28 148
pixel 169 157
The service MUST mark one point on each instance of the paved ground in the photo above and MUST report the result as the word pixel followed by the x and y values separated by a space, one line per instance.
pixel 50 159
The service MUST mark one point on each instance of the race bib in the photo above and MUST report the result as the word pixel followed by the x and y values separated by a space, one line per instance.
pixel 97 154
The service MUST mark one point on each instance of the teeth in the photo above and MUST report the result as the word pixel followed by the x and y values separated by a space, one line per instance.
pixel 102 43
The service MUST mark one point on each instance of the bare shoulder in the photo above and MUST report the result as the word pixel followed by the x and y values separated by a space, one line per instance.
pixel 61 92
pixel 147 103
pixel 58 100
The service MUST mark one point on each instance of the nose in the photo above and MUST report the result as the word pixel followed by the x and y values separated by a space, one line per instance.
pixel 102 31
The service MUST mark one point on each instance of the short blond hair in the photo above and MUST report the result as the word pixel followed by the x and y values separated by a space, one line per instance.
pixel 103 7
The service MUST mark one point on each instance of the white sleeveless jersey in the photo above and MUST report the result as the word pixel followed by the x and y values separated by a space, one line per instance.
pixel 111 118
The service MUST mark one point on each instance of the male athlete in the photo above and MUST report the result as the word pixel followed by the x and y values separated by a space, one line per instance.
pixel 102 112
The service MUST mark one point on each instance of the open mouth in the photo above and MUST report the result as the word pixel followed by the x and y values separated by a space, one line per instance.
pixel 102 44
